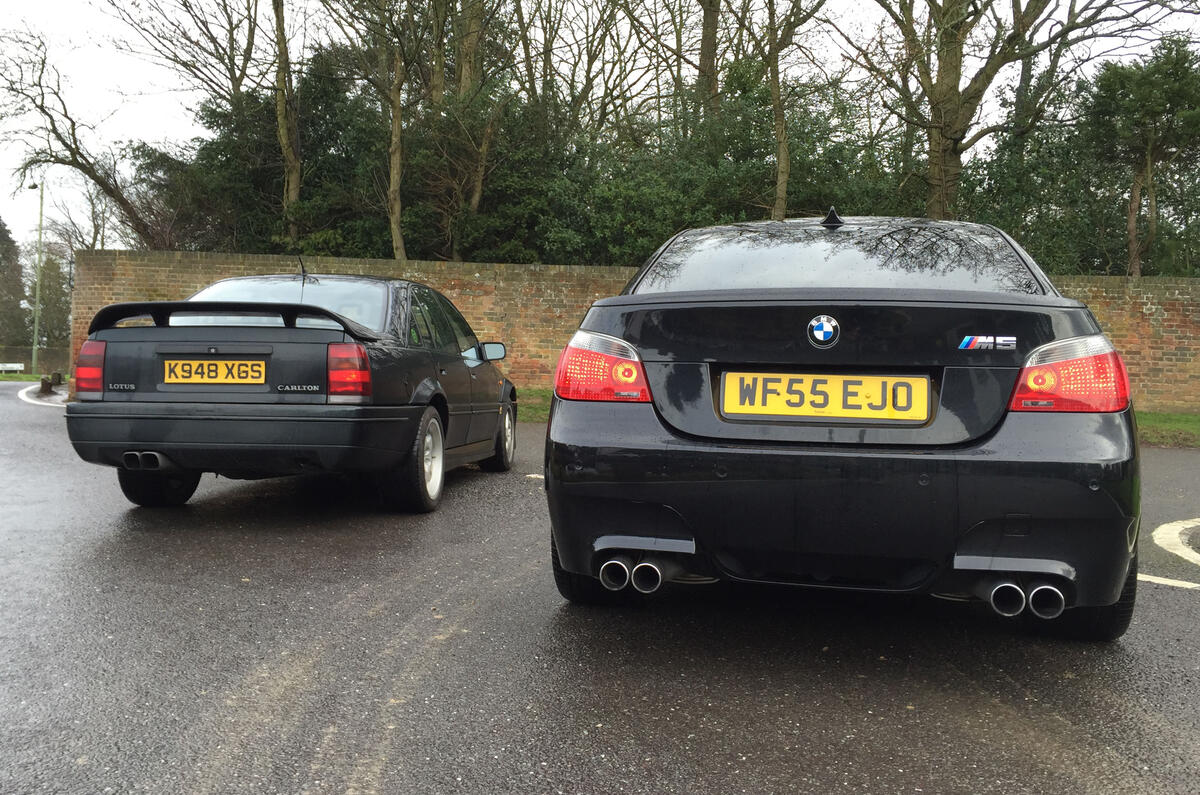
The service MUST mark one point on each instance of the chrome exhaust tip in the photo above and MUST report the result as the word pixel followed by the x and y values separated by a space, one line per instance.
pixel 647 577
pixel 1046 601
pixel 614 572
pixel 1007 598
pixel 131 460
pixel 151 460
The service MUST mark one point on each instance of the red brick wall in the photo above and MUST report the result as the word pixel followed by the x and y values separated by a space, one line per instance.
pixel 534 309
pixel 1155 324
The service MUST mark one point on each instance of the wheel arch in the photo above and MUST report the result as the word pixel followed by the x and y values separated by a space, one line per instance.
pixel 429 393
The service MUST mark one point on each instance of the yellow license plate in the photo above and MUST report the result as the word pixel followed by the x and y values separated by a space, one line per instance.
pixel 878 397
pixel 214 371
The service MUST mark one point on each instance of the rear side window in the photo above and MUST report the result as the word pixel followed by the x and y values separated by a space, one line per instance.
pixel 788 255
pixel 425 305
pixel 364 302
pixel 467 341
pixel 421 329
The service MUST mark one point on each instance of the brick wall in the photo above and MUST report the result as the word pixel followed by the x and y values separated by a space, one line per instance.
pixel 1155 324
pixel 535 308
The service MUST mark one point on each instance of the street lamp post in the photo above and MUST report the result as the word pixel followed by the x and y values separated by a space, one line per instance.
pixel 37 288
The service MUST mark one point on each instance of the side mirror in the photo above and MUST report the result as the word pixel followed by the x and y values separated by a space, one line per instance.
pixel 494 351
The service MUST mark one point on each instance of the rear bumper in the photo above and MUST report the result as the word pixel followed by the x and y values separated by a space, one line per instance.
pixel 1053 496
pixel 246 440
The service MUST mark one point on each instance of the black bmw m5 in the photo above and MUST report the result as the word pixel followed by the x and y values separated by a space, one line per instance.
pixel 264 376
pixel 883 404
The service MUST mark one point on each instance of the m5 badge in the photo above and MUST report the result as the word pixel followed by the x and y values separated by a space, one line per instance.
pixel 985 343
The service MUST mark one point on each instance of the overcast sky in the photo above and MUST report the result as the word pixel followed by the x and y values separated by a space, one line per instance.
pixel 124 96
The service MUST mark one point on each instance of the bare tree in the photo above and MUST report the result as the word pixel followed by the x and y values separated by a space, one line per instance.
pixel 287 123
pixel 469 22
pixel 954 51
pixel 665 32
pixel 771 38
pixel 386 38
pixel 214 45
pixel 87 231
pixel 709 88
pixel 440 11
pixel 52 135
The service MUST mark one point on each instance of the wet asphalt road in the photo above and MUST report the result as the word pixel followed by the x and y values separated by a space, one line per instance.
pixel 287 636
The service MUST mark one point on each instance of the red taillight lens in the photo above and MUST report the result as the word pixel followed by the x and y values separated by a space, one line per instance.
pixel 599 367
pixel 349 373
pixel 1081 374
pixel 89 370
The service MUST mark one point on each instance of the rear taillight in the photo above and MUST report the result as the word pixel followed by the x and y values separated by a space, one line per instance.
pixel 89 370
pixel 349 373
pixel 599 367
pixel 1080 374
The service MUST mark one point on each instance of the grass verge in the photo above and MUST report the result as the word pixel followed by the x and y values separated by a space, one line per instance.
pixel 1168 430
pixel 19 377
pixel 533 405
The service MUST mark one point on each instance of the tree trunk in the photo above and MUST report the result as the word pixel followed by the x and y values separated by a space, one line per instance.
pixel 1151 210
pixel 783 162
pixel 396 154
pixel 527 53
pixel 469 28
pixel 485 146
pixel 1135 207
pixel 908 150
pixel 707 67
pixel 945 168
pixel 437 74
pixel 287 125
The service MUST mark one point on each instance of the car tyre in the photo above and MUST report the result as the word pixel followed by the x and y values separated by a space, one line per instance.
pixel 501 459
pixel 158 489
pixel 579 588
pixel 1105 623
pixel 419 483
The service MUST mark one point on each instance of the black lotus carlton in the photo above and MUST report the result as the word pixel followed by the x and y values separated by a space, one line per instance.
pixel 281 375
pixel 879 404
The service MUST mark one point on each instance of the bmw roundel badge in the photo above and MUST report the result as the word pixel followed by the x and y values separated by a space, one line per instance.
pixel 823 331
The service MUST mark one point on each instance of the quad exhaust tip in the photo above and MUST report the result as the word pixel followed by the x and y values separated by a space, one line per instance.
pixel 647 577
pixel 1046 601
pixel 1007 598
pixel 614 573
pixel 1043 599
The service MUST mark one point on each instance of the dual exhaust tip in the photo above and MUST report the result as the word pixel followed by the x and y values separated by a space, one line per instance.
pixel 145 460
pixel 1043 599
pixel 646 576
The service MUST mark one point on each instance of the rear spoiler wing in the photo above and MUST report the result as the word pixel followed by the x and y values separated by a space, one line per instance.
pixel 161 311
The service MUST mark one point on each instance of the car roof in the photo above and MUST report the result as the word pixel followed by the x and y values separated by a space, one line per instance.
pixel 847 223
pixel 834 231
pixel 294 276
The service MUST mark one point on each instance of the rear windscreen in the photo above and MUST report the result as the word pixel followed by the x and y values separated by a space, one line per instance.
pixel 364 302
pixel 781 255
